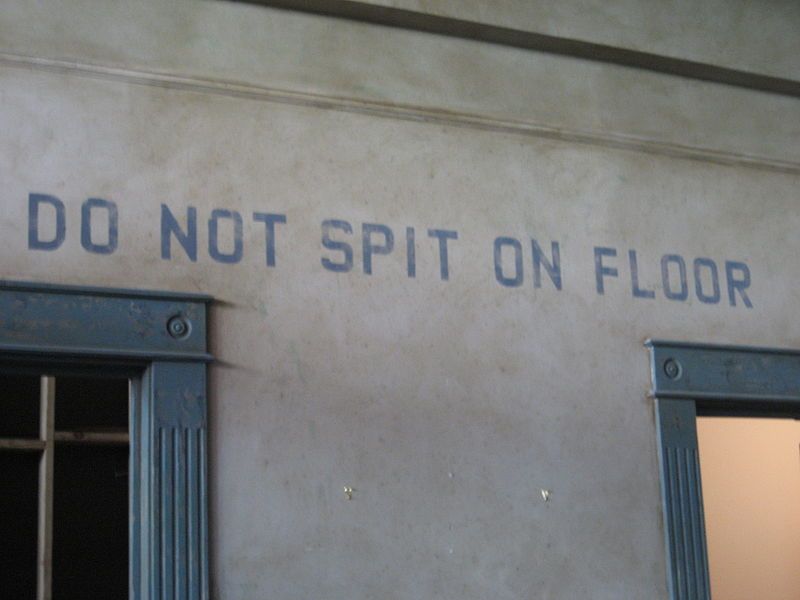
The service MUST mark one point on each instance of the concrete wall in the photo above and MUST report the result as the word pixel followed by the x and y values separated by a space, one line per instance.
pixel 760 37
pixel 447 404
pixel 235 49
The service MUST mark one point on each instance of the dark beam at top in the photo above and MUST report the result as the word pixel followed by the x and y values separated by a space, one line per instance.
pixel 516 38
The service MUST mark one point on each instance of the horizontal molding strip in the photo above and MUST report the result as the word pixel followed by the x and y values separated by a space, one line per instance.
pixel 404 112
pixel 78 290
pixel 23 350
pixel 56 320
pixel 724 373
pixel 403 18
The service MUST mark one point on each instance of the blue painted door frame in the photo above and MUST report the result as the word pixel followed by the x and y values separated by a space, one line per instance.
pixel 159 340
pixel 691 379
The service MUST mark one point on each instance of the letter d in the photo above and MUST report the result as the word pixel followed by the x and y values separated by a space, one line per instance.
pixel 35 242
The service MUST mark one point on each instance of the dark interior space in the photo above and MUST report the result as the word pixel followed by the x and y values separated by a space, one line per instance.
pixel 19 418
pixel 18 524
pixel 90 490
pixel 90 516
pixel 19 406
pixel 91 403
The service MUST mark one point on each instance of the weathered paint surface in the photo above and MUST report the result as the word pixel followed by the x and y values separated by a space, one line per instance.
pixel 447 405
pixel 753 36
pixel 223 48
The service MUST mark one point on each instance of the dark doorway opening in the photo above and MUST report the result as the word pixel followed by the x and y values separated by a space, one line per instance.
pixel 64 455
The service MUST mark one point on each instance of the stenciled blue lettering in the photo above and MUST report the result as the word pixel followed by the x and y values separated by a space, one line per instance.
pixel 709 264
pixel 347 251
pixel 269 221
pixel 35 241
pixel 637 291
pixel 519 272
pixel 553 267
pixel 86 226
pixel 187 239
pixel 411 252
pixel 738 284
pixel 600 270
pixel 235 255
pixel 683 293
pixel 369 248
pixel 99 234
pixel 443 235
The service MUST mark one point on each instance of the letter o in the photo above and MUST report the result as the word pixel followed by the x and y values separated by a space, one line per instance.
pixel 683 293
pixel 698 281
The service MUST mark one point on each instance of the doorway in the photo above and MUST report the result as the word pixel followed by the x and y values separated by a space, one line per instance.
pixel 729 461
pixel 106 439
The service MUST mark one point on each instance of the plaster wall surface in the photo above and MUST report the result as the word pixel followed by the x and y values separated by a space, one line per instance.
pixel 447 404
pixel 230 48
pixel 761 37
